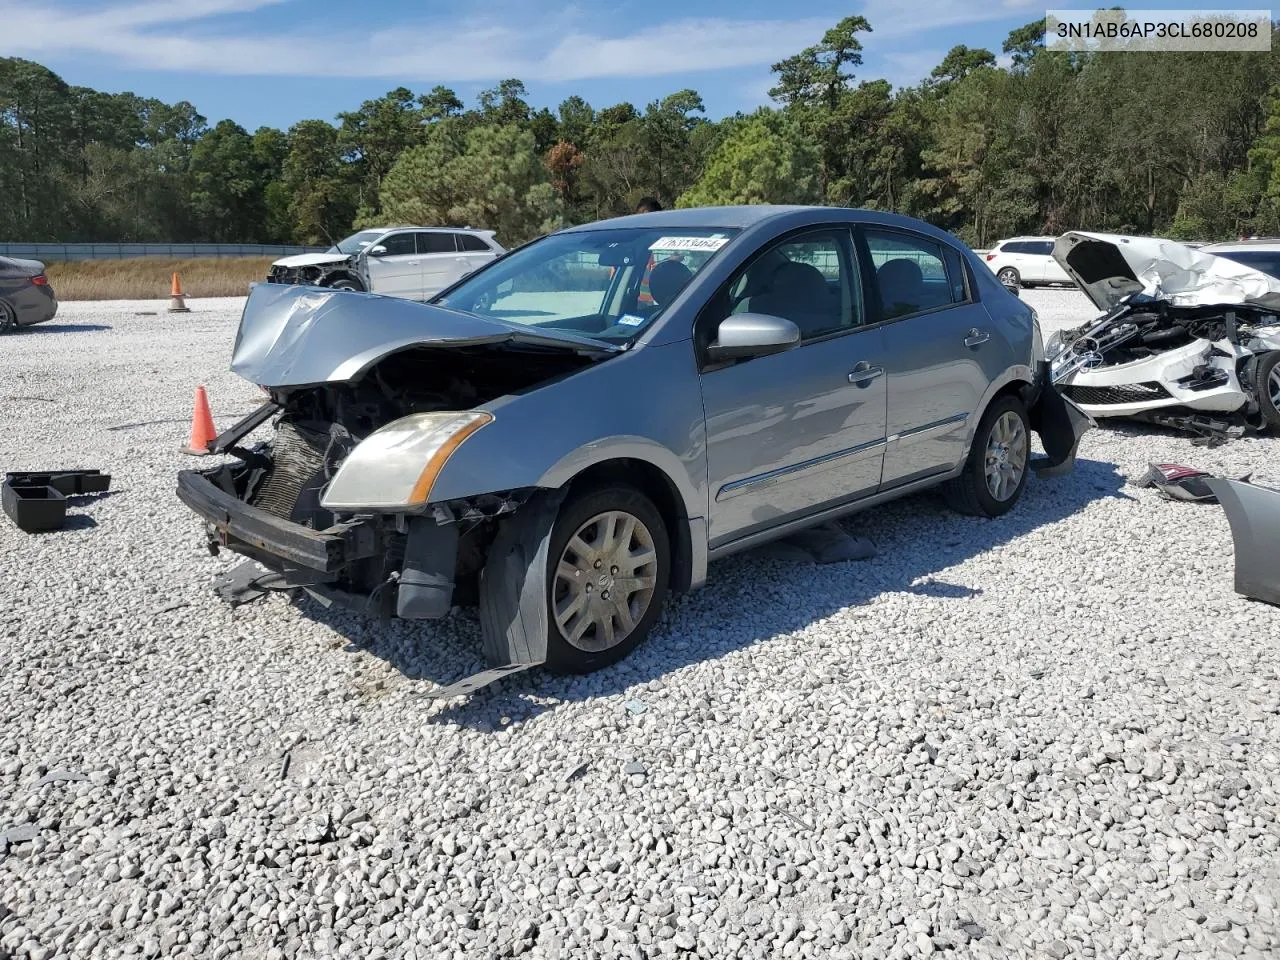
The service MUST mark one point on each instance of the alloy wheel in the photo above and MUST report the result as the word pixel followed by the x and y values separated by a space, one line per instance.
pixel 1006 459
pixel 604 581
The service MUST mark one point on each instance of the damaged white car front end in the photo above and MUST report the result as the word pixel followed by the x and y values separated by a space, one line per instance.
pixel 1187 339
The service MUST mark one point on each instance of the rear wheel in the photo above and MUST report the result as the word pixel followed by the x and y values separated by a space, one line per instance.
pixel 609 564
pixel 1009 277
pixel 1268 380
pixel 996 471
pixel 8 319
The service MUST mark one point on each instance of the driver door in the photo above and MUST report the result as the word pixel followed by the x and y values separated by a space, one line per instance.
pixel 793 432
pixel 397 272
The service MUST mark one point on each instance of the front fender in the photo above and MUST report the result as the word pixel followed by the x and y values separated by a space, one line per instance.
pixel 1060 423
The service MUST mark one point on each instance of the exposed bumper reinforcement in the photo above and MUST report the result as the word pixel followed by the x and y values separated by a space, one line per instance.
pixel 234 521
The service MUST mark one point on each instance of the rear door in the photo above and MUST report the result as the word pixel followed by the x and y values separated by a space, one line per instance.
pixel 473 253
pixel 1052 272
pixel 941 350
pixel 439 253
pixel 397 271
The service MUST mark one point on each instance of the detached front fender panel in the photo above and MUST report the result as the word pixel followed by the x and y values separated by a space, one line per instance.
pixel 1060 424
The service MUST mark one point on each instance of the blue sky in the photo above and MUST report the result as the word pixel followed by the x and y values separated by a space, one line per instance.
pixel 278 61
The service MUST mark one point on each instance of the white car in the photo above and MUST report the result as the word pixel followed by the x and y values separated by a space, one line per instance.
pixel 1262 255
pixel 1025 262
pixel 414 263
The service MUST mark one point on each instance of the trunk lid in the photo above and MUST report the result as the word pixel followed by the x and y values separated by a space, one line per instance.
pixel 295 336
pixel 1109 267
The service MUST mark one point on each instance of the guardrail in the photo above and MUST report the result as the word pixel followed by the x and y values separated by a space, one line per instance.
pixel 56 252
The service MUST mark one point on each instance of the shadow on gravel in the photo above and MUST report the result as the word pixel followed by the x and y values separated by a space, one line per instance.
pixel 64 327
pixel 917 537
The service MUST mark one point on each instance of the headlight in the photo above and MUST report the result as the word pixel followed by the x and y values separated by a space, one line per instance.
pixel 396 466
pixel 1037 339
pixel 1054 346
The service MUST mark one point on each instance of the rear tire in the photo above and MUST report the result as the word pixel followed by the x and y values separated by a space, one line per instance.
pixel 999 460
pixel 608 565
pixel 8 319
pixel 1268 387
pixel 1009 277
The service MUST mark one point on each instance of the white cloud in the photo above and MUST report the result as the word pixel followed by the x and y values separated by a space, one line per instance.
pixel 177 35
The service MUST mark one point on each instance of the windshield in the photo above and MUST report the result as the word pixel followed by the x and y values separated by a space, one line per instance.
pixel 356 242
pixel 605 284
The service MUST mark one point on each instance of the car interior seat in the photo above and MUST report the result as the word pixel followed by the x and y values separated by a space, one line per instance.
pixel 901 286
pixel 798 292
pixel 666 280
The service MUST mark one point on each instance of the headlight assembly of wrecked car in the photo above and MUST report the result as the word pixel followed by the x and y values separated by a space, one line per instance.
pixel 580 426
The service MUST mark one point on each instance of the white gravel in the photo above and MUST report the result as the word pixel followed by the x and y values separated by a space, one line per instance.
pixel 1048 735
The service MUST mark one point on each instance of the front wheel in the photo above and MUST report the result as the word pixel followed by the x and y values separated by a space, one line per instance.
pixel 996 470
pixel 346 284
pixel 609 564
pixel 1268 380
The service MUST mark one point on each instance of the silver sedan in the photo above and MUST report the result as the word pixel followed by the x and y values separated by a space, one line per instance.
pixel 580 426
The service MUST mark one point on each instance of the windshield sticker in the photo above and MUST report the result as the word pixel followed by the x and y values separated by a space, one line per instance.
pixel 688 243
pixel 630 320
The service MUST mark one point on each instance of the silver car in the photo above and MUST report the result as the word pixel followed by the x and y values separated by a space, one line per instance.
pixel 581 425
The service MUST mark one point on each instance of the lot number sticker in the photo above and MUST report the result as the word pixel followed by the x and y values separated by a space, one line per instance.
pixel 688 243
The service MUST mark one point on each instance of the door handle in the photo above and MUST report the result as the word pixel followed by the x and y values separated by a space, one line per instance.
pixel 976 337
pixel 864 373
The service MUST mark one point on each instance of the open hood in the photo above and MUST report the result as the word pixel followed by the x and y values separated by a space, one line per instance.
pixel 295 336
pixel 1109 267
pixel 310 259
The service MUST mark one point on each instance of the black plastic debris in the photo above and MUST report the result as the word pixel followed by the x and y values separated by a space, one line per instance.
pixel 70 483
pixel 37 500
pixel 1177 482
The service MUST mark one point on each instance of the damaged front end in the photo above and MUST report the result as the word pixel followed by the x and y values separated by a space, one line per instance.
pixel 382 393
pixel 1180 342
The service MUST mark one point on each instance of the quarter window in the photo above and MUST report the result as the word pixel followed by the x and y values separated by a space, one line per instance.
pixel 471 243
pixel 911 274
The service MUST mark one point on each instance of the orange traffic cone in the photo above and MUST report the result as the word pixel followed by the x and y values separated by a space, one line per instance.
pixel 177 303
pixel 203 431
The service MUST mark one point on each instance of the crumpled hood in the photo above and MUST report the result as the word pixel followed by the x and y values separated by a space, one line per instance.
pixel 33 268
pixel 310 259
pixel 1109 267
pixel 294 336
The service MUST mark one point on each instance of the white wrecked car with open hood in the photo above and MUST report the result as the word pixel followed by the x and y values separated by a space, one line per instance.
pixel 1188 339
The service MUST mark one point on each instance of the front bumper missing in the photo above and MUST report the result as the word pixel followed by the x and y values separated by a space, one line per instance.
pixel 320 555
pixel 1059 422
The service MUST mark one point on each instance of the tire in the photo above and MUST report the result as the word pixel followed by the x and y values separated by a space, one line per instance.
pixel 8 319
pixel 1009 277
pixel 1268 387
pixel 585 521
pixel 345 283
pixel 1003 429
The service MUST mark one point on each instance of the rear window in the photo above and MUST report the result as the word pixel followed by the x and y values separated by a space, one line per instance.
pixel 470 242
pixel 1265 261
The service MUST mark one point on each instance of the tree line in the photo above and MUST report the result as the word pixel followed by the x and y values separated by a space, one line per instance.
pixel 1177 144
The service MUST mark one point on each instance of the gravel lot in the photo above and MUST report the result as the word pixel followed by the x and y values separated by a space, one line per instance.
pixel 1054 734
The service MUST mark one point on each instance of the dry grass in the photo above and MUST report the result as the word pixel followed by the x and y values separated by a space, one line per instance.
pixel 146 278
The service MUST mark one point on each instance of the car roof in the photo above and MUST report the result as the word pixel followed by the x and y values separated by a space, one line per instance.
pixel 1262 243
pixel 410 226
pixel 1018 239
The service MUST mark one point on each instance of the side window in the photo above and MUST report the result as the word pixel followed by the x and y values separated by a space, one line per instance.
pixel 397 244
pixel 469 243
pixel 1043 248
pixel 810 280
pixel 436 243
pixel 1017 246
pixel 911 274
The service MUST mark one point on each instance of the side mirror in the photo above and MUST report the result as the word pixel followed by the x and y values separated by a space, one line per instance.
pixel 376 251
pixel 752 335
